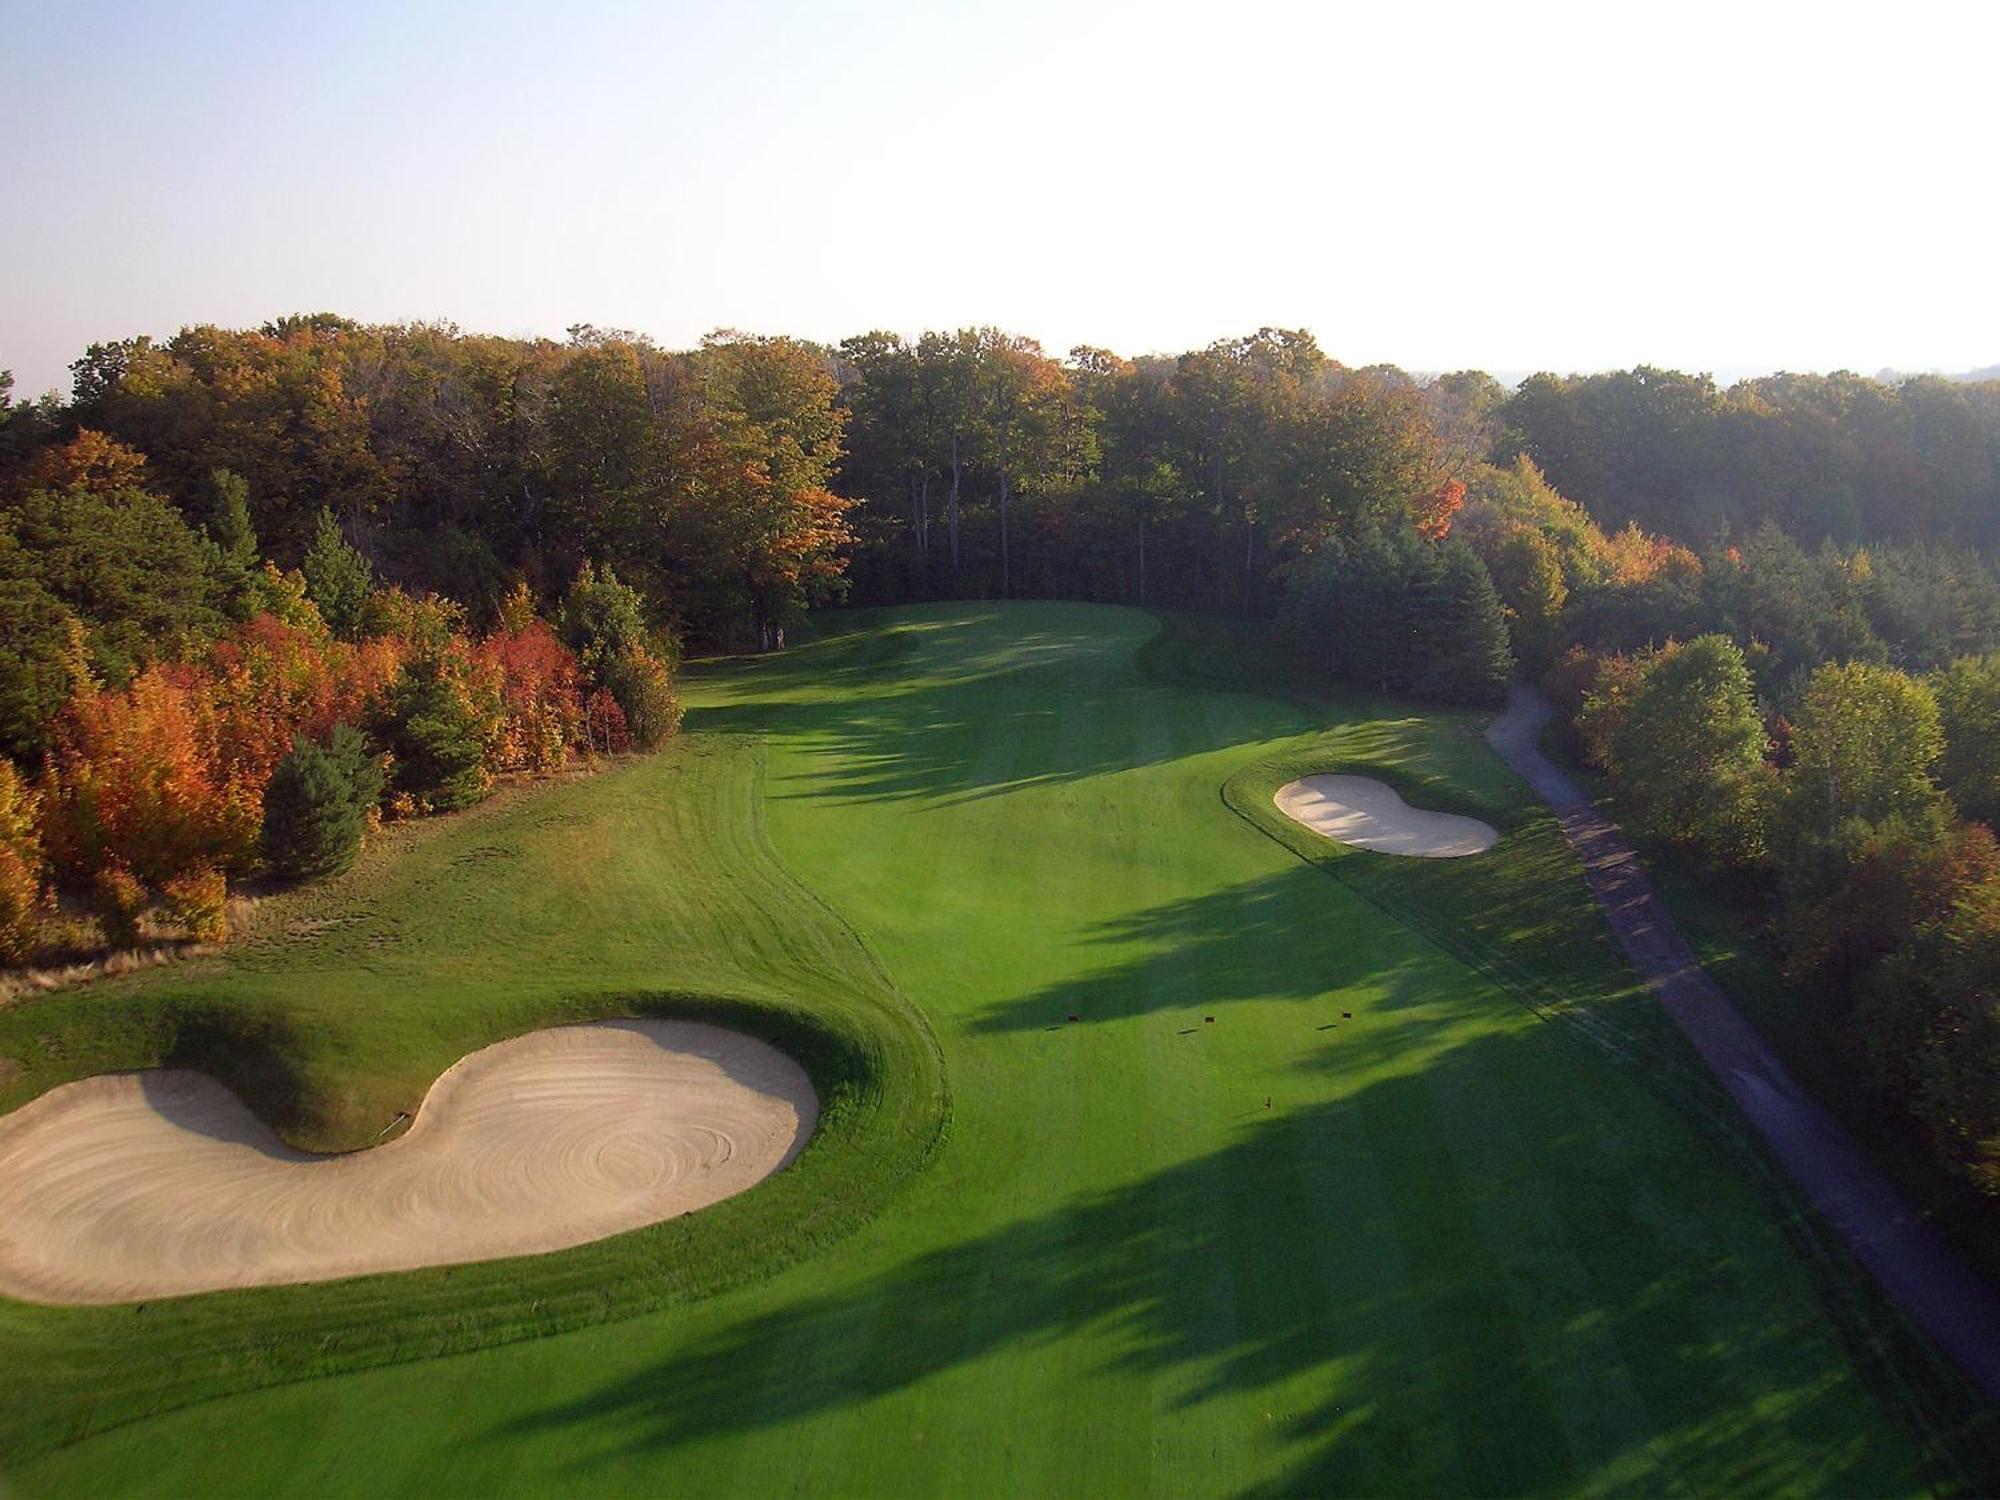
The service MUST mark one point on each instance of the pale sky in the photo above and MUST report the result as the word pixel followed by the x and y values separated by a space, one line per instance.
pixel 1513 186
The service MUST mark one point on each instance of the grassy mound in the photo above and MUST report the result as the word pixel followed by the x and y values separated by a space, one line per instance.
pixel 648 892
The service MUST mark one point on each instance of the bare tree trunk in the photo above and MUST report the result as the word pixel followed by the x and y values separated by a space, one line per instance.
pixel 1249 545
pixel 951 515
pixel 1006 571
pixel 1142 559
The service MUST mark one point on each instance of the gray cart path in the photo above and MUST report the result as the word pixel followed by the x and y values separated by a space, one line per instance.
pixel 1915 1266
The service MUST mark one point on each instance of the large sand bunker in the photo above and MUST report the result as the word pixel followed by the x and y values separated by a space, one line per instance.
pixel 152 1184
pixel 1367 813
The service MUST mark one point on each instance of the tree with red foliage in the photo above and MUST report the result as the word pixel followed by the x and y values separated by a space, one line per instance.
pixel 539 687
pixel 136 776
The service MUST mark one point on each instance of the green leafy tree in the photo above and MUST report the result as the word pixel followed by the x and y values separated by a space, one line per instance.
pixel 1689 749
pixel 337 578
pixel 1527 570
pixel 118 571
pixel 1968 695
pixel 603 619
pixel 1863 745
pixel 1858 895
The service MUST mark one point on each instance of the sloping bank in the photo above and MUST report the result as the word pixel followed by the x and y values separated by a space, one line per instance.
pixel 648 892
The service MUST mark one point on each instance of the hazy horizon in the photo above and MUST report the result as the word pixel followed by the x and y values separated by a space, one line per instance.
pixel 1552 187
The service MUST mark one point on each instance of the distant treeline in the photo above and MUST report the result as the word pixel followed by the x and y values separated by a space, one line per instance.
pixel 1820 456
pixel 739 483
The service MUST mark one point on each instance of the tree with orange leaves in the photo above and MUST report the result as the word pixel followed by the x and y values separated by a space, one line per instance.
pixel 538 685
pixel 136 777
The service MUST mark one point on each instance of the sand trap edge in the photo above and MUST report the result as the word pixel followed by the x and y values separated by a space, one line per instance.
pixel 1364 813
pixel 767 1082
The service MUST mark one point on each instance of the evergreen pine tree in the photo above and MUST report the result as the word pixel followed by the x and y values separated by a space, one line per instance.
pixel 1371 609
pixel 234 539
pixel 1463 656
pixel 361 766
pixel 337 577
pixel 433 740
pixel 312 818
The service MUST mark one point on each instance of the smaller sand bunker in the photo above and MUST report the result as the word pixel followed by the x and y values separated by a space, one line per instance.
pixel 133 1185
pixel 1368 814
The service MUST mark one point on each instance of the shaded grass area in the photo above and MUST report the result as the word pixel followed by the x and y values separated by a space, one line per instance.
pixel 353 997
pixel 1728 918
pixel 1521 917
pixel 1387 1223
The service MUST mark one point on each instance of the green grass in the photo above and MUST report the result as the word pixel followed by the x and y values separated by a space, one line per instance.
pixel 1729 920
pixel 1484 1232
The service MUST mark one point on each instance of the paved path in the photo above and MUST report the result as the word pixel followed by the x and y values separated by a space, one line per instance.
pixel 1912 1262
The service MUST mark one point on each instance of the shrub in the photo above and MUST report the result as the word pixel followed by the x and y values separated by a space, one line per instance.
pixel 541 709
pixel 20 896
pixel 643 687
pixel 435 740
pixel 138 777
pixel 198 900
pixel 313 812
pixel 120 900
pixel 604 727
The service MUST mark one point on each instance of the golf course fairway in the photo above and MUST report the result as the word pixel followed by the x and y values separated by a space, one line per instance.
pixel 1165 1146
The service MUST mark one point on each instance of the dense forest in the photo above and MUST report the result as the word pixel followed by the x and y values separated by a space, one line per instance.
pixel 260 587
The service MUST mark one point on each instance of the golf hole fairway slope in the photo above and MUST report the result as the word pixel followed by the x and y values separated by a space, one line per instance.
pixel 133 1185
pixel 1368 814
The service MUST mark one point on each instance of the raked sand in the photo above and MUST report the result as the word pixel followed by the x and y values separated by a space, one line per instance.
pixel 136 1185
pixel 1368 814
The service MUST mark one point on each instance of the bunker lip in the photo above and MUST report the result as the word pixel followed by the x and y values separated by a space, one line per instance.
pixel 138 1185
pixel 1369 814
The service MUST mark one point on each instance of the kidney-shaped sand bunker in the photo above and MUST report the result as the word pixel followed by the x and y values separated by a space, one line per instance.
pixel 134 1185
pixel 1368 814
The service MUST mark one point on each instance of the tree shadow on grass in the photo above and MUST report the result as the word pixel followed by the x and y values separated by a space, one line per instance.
pixel 1280 936
pixel 1347 1273
pixel 969 714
